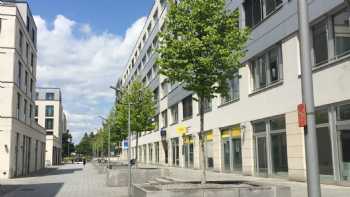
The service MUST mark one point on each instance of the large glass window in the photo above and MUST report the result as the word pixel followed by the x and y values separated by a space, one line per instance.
pixel 49 111
pixel 320 40
pixel 233 93
pixel 188 151
pixel 174 114
pixel 324 142
pixel 207 105
pixel 231 146
pixel 341 26
pixel 266 69
pixel 156 149
pixel 343 112
pixel 187 107
pixel 209 149
pixel 150 153
pixel 50 96
pixel 270 138
pixel 257 10
pixel 49 123
pixel 175 151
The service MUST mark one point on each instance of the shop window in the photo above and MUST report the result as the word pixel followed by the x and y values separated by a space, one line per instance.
pixel 209 149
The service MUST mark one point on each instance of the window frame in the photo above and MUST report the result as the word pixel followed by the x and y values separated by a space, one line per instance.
pixel 187 103
pixel 262 61
pixel 48 112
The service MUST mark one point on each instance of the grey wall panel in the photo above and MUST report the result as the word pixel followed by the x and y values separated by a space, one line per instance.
pixel 176 95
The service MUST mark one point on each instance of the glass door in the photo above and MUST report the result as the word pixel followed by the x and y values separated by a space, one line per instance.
pixel 237 154
pixel 261 154
pixel 188 152
pixel 227 158
pixel 344 147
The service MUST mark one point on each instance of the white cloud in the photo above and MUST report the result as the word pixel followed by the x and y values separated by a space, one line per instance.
pixel 83 64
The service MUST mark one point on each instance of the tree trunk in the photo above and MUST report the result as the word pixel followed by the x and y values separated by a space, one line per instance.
pixel 137 150
pixel 202 141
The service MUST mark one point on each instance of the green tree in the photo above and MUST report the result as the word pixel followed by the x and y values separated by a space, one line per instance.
pixel 201 47
pixel 85 146
pixel 142 110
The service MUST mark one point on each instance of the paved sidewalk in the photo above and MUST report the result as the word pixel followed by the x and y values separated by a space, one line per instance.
pixel 65 181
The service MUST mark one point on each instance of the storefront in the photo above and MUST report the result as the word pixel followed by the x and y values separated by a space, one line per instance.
pixel 333 137
pixel 270 147
pixel 187 151
pixel 150 153
pixel 231 149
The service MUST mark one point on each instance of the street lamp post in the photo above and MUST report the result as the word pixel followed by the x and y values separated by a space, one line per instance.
pixel 109 142
pixel 313 177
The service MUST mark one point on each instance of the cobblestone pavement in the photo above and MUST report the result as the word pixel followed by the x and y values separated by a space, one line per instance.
pixel 65 181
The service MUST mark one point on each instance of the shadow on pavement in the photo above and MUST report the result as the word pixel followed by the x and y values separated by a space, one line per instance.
pixel 55 171
pixel 30 190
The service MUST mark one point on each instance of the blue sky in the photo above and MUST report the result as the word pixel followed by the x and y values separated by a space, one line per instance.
pixel 83 48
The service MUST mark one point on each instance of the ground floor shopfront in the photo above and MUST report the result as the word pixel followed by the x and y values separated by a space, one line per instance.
pixel 269 147
pixel 22 148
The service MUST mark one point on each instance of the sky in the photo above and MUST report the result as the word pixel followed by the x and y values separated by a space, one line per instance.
pixel 83 47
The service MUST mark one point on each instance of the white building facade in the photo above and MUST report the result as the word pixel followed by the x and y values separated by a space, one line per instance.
pixel 49 114
pixel 255 130
pixel 22 140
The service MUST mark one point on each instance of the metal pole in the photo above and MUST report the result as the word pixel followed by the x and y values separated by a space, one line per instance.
pixel 129 153
pixel 313 177
pixel 109 146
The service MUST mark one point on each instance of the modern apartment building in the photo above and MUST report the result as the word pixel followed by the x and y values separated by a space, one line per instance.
pixel 49 113
pixel 254 131
pixel 22 140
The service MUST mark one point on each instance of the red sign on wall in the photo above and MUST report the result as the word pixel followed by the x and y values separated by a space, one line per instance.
pixel 302 115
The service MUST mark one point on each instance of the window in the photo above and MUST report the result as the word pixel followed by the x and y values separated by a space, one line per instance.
pixel 30 111
pixel 49 123
pixel 0 24
pixel 27 51
pixel 207 104
pixel 165 118
pixel 36 110
pixel 32 60
pixel 331 37
pixel 233 90
pixel 33 36
pixel 343 112
pixel 319 34
pixel 155 69
pixel 31 87
pixel 341 25
pixel 149 51
pixel 50 96
pixel 156 122
pixel 25 109
pixel 156 95
pixel 155 15
pixel 257 10
pixel 187 107
pixel 165 88
pixel 18 105
pixel 275 129
pixel 19 75
pixel 267 69
pixel 174 110
pixel 20 40
pixel 49 111
pixel 150 75
pixel 26 81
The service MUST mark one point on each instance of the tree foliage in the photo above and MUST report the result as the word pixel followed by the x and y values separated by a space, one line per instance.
pixel 142 110
pixel 201 47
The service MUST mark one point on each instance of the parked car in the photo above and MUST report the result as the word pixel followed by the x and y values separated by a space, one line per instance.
pixel 78 160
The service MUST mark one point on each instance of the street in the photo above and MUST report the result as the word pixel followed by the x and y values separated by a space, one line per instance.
pixel 65 181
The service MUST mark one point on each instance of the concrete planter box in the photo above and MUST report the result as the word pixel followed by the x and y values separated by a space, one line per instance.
pixel 212 189
pixel 118 176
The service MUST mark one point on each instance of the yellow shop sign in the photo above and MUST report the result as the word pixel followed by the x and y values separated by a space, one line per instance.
pixel 181 129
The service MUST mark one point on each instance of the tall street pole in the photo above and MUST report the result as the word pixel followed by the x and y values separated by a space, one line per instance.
pixel 109 146
pixel 312 165
pixel 129 152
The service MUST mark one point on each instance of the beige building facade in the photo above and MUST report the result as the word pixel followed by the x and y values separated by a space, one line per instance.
pixel 49 114
pixel 22 140
pixel 254 131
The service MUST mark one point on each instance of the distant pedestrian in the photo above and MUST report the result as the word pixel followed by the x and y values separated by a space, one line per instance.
pixel 84 162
